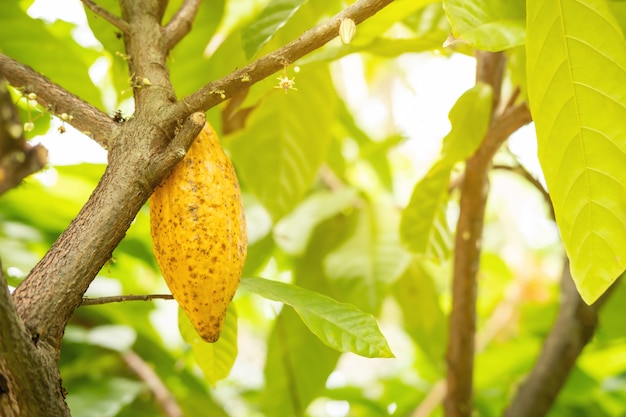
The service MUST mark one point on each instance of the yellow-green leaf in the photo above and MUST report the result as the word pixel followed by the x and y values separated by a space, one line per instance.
pixel 576 62
pixel 215 359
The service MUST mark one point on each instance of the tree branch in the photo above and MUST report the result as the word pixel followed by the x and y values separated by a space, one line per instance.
pixel 162 395
pixel 145 45
pixel 474 193
pixel 58 100
pixel 523 172
pixel 181 23
pixel 217 91
pixel 116 21
pixel 574 327
pixel 92 301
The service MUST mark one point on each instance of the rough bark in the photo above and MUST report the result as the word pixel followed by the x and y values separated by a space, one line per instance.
pixel 30 384
pixel 141 152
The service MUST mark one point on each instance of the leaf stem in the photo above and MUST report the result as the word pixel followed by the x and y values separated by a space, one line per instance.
pixel 116 21
pixel 85 117
pixel 92 301
pixel 181 22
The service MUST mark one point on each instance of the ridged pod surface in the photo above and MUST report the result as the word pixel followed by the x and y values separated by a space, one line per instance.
pixel 199 233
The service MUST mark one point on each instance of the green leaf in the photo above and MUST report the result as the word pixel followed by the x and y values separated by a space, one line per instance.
pixel 618 8
pixel 371 259
pixel 500 365
pixel 308 269
pixel 275 15
pixel 428 24
pixel 424 319
pixel 113 43
pixel 491 25
pixel 297 366
pixel 227 56
pixel 340 326
pixel 376 153
pixel 576 61
pixel 190 66
pixel 43 47
pixel 215 359
pixel 104 399
pixel 384 47
pixel 361 402
pixel 258 220
pixel 63 200
pixel 469 118
pixel 423 228
pixel 378 24
pixel 285 141
pixel 292 233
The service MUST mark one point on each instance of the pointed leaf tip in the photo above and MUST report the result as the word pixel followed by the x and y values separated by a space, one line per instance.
pixel 340 326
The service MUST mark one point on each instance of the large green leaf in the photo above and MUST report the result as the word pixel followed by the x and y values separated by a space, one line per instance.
pixel 371 259
pixel 188 64
pixel 306 16
pixel 618 7
pixel 44 47
pixel 501 364
pixel 215 359
pixel 273 17
pixel 424 228
pixel 297 367
pixel 113 43
pixel 426 29
pixel 469 118
pixel 377 25
pixel 104 399
pixel 340 326
pixel 63 200
pixel 292 233
pixel 223 60
pixel 576 61
pixel 491 25
pixel 285 141
pixel 308 269
pixel 423 316
pixel 298 363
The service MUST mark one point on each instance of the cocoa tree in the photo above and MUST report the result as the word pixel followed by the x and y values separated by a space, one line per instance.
pixel 334 236
pixel 141 151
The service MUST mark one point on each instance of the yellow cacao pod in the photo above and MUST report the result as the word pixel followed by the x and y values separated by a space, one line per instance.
pixel 199 233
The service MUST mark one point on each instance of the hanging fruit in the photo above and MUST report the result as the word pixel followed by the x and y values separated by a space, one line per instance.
pixel 199 234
